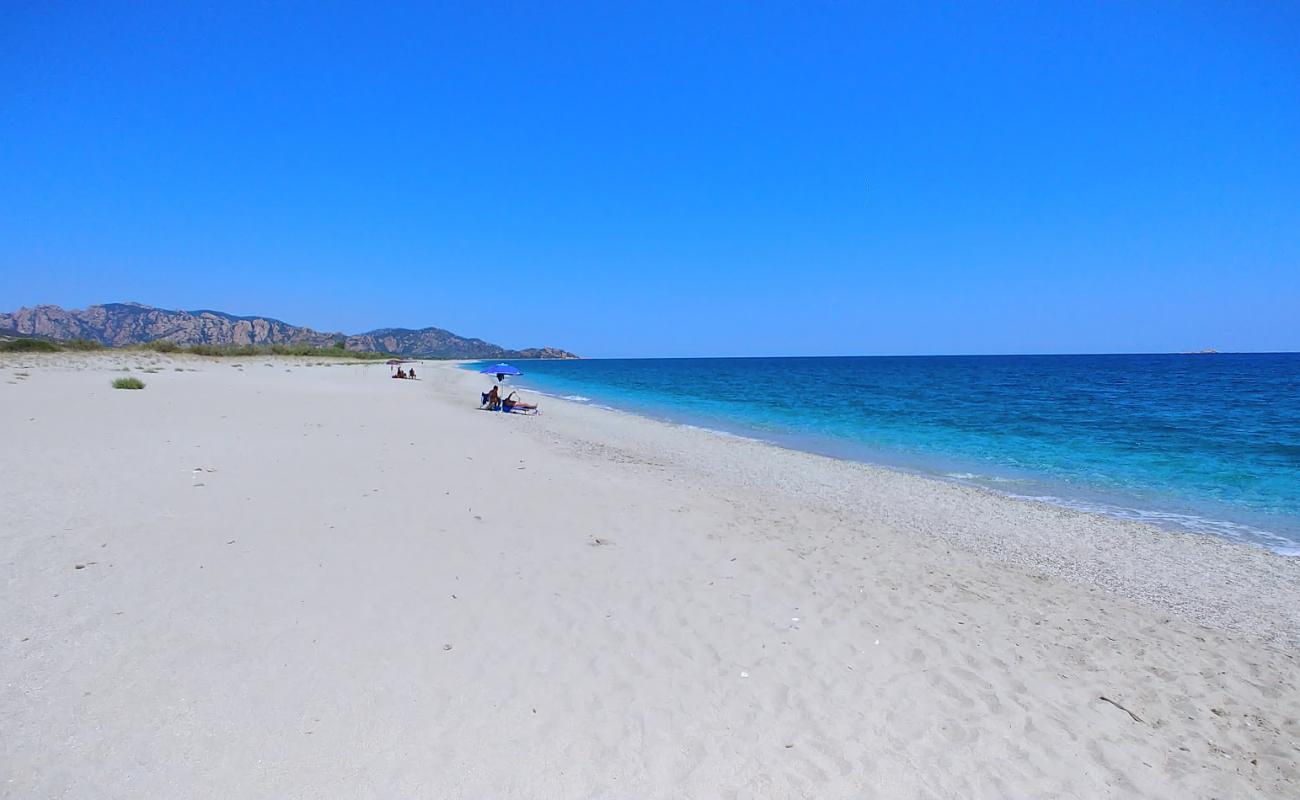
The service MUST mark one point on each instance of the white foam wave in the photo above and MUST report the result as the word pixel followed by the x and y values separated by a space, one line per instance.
pixel 982 479
pixel 1194 523
pixel 717 432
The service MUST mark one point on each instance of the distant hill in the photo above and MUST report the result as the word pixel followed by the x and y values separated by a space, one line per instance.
pixel 121 324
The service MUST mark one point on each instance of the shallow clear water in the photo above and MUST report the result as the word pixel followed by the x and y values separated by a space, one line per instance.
pixel 1206 442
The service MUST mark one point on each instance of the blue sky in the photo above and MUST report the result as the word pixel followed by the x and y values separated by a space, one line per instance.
pixel 663 179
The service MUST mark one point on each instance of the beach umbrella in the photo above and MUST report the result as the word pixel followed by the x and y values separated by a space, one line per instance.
pixel 390 362
pixel 500 369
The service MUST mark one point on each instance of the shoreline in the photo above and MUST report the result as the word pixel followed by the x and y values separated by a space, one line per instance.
pixel 273 577
pixel 1098 545
pixel 1165 514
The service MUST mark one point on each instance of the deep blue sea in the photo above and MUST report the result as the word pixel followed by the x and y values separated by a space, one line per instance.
pixel 1207 443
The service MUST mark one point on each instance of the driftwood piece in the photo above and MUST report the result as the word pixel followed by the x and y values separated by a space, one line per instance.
pixel 1135 717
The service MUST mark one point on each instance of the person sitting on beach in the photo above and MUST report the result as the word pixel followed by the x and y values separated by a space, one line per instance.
pixel 493 399
pixel 411 374
pixel 400 373
pixel 510 404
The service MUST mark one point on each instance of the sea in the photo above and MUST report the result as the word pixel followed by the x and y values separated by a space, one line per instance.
pixel 1205 443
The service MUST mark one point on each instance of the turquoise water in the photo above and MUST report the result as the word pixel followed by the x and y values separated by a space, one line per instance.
pixel 1208 443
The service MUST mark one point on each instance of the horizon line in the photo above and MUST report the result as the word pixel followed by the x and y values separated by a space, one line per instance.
pixel 926 355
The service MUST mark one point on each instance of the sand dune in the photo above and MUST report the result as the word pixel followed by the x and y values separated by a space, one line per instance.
pixel 281 579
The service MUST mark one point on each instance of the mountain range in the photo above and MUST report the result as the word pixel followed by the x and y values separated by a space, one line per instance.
pixel 121 324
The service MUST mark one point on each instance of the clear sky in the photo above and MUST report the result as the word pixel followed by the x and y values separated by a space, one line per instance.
pixel 693 179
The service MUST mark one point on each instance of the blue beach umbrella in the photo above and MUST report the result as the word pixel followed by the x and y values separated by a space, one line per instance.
pixel 500 369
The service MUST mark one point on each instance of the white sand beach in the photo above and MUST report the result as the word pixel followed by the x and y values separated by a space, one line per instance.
pixel 276 578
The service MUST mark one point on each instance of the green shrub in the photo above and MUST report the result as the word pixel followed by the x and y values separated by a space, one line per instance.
pixel 128 383
pixel 248 350
pixel 82 344
pixel 335 351
pixel 29 346
pixel 222 350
